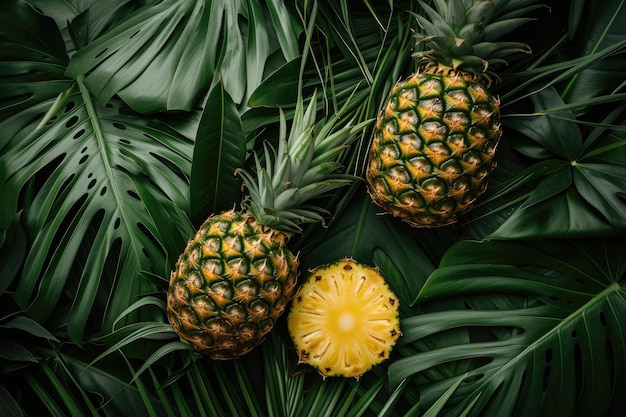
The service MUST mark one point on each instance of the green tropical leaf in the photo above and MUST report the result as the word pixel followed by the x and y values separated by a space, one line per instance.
pixel 165 55
pixel 81 21
pixel 219 150
pixel 575 15
pixel 438 405
pixel 580 184
pixel 12 252
pixel 9 405
pixel 33 60
pixel 602 27
pixel 13 351
pixel 114 395
pixel 557 336
pixel 111 188
pixel 555 132
pixel 278 89
pixel 29 326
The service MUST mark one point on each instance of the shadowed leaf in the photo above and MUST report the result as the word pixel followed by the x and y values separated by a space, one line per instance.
pixel 558 340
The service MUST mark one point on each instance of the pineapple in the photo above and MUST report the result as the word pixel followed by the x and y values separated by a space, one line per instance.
pixel 435 139
pixel 236 276
pixel 344 319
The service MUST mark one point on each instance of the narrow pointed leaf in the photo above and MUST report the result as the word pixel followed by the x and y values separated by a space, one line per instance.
pixel 219 150
pixel 554 131
pixel 600 27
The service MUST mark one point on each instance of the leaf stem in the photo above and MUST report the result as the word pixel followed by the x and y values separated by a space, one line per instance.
pixel 56 106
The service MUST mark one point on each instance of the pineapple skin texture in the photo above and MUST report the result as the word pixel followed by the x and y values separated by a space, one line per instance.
pixel 433 148
pixel 230 285
pixel 344 319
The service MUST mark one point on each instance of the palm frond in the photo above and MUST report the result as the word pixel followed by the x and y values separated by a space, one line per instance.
pixel 166 55
pixel 555 327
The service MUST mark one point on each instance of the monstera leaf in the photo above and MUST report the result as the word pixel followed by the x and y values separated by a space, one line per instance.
pixel 579 178
pixel 105 192
pixel 547 318
pixel 165 55
pixel 108 203
pixel 33 60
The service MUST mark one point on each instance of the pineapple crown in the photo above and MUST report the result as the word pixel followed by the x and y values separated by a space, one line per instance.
pixel 304 166
pixel 462 35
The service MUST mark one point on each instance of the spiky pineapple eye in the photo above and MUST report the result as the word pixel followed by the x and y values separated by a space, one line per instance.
pixel 390 151
pixel 472 157
pixel 236 312
pixel 457 100
pixel 440 148
pixel 247 288
pixel 211 269
pixel 421 163
pixel 406 99
pixel 456 121
pixel 451 167
pixel 399 174
pixel 432 131
pixel 430 108
pixel 410 143
pixel 431 87
pixel 203 303
pixel 210 247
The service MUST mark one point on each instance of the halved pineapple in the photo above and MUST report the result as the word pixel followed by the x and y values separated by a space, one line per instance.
pixel 344 319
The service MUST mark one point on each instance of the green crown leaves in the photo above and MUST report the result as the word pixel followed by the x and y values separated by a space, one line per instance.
pixel 303 167
pixel 463 35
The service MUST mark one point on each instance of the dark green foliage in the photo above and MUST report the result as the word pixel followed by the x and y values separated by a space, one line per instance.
pixel 109 113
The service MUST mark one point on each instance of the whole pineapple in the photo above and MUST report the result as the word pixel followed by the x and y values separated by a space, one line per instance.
pixel 435 139
pixel 236 276
pixel 344 319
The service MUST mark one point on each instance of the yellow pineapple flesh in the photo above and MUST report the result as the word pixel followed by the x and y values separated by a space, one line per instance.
pixel 344 319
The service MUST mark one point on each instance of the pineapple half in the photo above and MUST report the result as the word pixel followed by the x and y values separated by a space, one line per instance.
pixel 236 276
pixel 344 319
pixel 435 139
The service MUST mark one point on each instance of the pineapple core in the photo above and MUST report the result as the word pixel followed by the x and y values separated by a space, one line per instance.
pixel 344 319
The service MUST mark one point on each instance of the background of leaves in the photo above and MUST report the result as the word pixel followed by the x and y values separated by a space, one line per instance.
pixel 122 124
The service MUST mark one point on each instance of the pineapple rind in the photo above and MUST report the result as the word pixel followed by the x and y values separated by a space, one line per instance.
pixel 430 171
pixel 230 285
pixel 344 319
